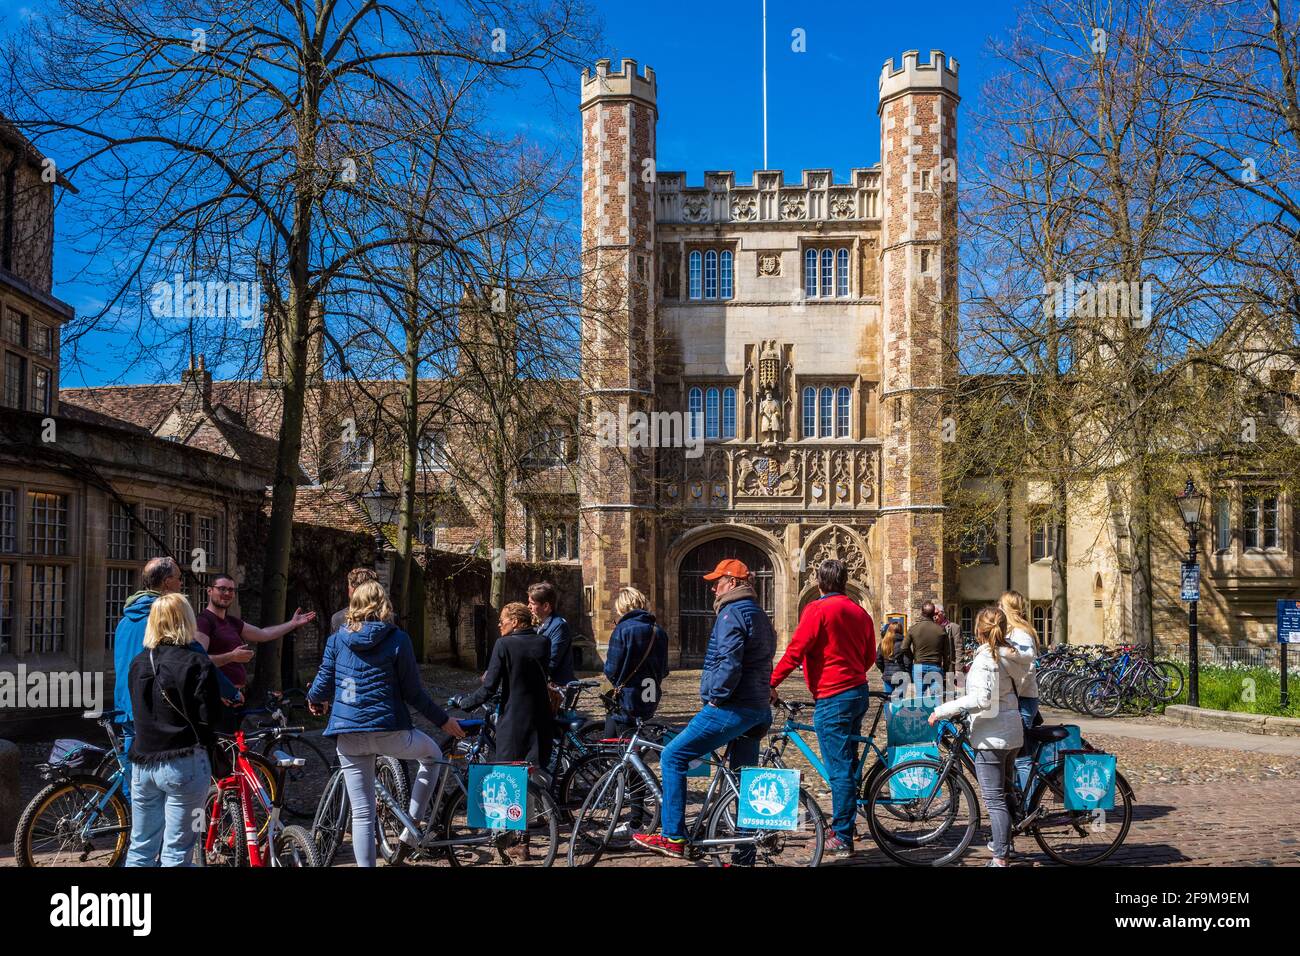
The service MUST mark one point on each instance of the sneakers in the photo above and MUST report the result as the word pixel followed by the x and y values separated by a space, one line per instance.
pixel 837 847
pixel 996 865
pixel 658 843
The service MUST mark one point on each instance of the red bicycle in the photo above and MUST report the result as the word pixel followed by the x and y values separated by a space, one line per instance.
pixel 232 834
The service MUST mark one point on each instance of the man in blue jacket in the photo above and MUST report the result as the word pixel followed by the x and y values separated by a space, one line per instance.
pixel 161 576
pixel 737 702
pixel 542 601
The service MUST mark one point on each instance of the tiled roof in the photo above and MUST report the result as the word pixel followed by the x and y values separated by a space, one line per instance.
pixel 329 508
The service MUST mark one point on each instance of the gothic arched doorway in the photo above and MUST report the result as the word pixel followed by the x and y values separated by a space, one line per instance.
pixel 695 595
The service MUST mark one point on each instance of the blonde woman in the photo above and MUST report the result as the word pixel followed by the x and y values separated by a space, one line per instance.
pixel 1024 638
pixel 176 701
pixel 996 730
pixel 368 673
pixel 636 662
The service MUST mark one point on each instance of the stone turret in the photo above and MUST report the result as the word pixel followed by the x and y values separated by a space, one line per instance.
pixel 918 147
pixel 619 114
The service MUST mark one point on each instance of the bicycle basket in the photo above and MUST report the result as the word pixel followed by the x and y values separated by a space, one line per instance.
pixel 69 754
pixel 1088 778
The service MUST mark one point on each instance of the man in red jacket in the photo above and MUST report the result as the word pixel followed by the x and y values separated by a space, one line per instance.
pixel 835 642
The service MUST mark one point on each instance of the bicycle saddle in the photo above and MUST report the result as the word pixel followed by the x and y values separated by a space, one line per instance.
pixel 469 726
pixel 1048 733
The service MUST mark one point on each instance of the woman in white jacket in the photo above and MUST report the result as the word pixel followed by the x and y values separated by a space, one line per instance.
pixel 996 730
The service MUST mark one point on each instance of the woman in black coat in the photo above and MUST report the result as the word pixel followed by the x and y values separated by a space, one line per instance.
pixel 518 671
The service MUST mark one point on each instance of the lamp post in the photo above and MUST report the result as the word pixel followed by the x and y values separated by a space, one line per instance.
pixel 380 505
pixel 1189 507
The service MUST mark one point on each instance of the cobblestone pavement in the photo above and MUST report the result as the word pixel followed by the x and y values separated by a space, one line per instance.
pixel 1194 805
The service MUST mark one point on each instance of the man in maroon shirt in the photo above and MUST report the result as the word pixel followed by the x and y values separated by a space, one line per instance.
pixel 835 642
pixel 227 633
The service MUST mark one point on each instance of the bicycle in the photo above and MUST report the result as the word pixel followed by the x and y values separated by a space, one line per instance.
pixel 630 785
pixel 317 763
pixel 231 837
pixel 773 754
pixel 80 817
pixel 333 816
pixel 1037 808
pixel 446 833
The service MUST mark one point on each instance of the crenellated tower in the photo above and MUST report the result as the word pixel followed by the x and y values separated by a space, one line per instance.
pixel 918 257
pixel 618 535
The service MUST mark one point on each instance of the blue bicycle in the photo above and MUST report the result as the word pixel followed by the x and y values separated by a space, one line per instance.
pixel 792 731
pixel 83 817
pixel 925 812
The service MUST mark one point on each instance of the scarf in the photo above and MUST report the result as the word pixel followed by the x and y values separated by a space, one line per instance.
pixel 738 593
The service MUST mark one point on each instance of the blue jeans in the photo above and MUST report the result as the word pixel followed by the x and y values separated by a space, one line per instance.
pixel 1025 758
pixel 167 810
pixel 836 719
pixel 126 730
pixel 709 730
pixel 934 687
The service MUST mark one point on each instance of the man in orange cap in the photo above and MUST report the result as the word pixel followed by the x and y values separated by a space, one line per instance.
pixel 737 702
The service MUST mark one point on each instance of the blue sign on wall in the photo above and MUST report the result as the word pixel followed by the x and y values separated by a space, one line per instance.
pixel 1089 781
pixel 769 799
pixel 916 783
pixel 696 768
pixel 498 796
pixel 1288 622
pixel 907 721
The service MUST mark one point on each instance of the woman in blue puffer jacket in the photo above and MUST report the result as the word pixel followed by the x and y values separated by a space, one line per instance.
pixel 370 677
pixel 636 662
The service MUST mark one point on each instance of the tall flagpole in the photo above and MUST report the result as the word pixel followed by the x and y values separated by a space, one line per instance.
pixel 765 84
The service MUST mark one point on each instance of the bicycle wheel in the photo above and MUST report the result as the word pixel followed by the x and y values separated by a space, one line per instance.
pixel 594 824
pixel 388 826
pixel 801 846
pixel 1103 698
pixel 298 796
pixel 1080 837
pixel 225 823
pixel 333 815
pixel 294 847
pixel 931 831
pixel 578 780
pixel 73 822
pixel 477 846
pixel 1169 681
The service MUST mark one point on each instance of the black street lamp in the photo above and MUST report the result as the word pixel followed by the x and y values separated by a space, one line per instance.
pixel 1189 504
pixel 381 507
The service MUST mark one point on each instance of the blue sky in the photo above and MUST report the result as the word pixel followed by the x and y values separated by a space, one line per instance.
pixel 707 57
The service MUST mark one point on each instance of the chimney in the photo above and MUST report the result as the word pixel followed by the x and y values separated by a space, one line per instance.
pixel 196 389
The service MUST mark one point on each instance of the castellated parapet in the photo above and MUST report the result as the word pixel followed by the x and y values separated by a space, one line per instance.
pixel 939 74
pixel 622 83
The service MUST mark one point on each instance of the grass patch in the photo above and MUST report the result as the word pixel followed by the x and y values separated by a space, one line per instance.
pixel 1247 690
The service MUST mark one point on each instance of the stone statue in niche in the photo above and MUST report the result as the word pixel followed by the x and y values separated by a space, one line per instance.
pixel 769 418
pixel 769 380
pixel 670 275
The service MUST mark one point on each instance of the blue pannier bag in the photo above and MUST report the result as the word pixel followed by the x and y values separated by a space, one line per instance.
pixel 1088 779
pixel 1049 755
